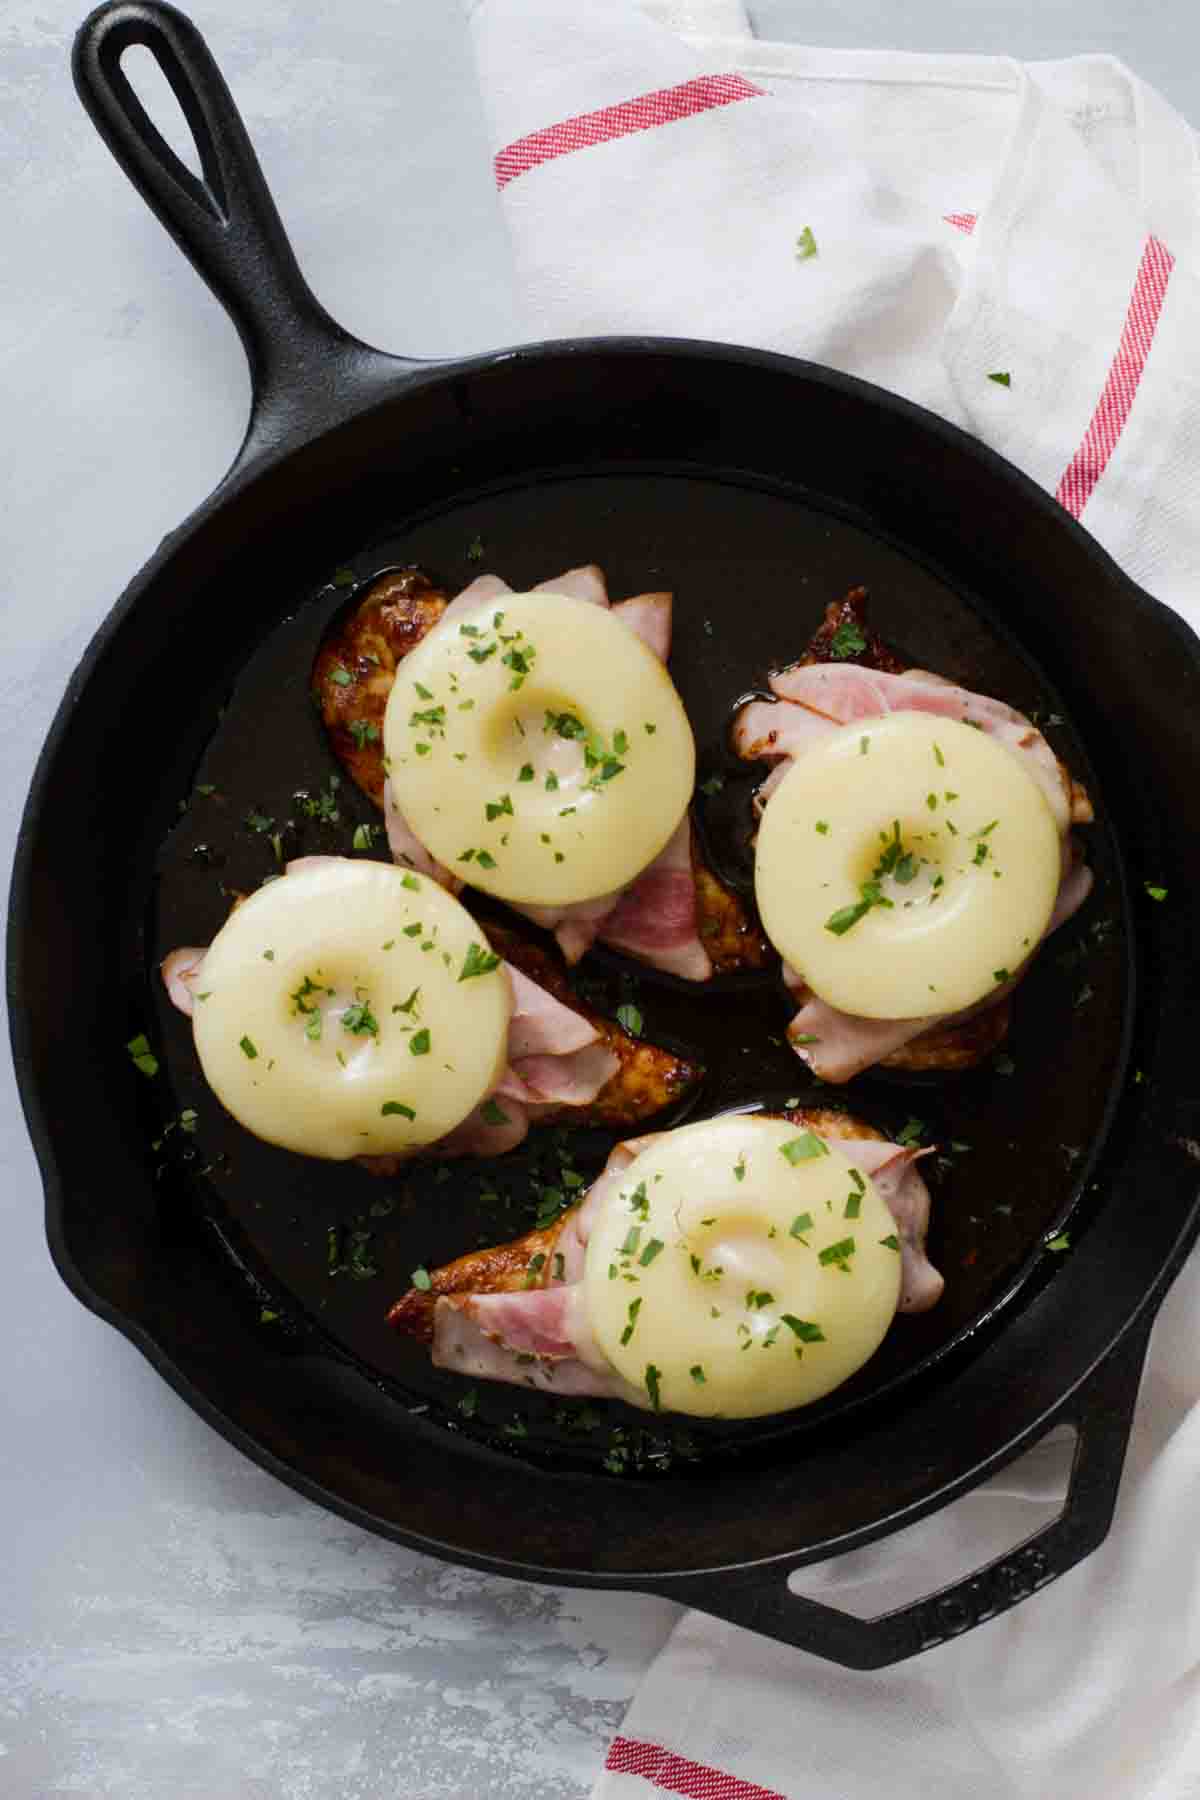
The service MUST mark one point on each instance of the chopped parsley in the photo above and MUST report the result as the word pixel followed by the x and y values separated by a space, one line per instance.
pixel 630 1019
pixel 1059 1243
pixel 713 785
pixel 653 1376
pixel 526 772
pixel 1156 893
pixel 364 732
pixel 837 1254
pixel 912 1133
pixel 475 549
pixel 360 1020
pixel 142 1056
pixel 478 962
pixel 418 1043
pixel 891 1241
pixel 635 1307
pixel 803 1148
pixel 496 809
pixel 492 1114
pixel 653 1248
pixel 1001 377
pixel 341 676
pixel 806 245
pixel 364 837
pixel 800 1224
pixel 396 1108
pixel 739 1168
pixel 421 1279
pixel 805 1330
pixel 697 1374
pixel 847 641
pixel 248 1048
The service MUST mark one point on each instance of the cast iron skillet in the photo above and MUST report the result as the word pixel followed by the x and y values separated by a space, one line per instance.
pixel 758 487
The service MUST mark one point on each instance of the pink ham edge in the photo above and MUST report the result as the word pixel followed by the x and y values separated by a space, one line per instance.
pixel 483 1335
pixel 584 583
pixel 179 971
pixel 892 1167
pixel 655 918
pixel 541 1024
pixel 648 616
pixel 846 1044
pixel 815 699
pixel 575 926
pixel 849 694
pixel 477 593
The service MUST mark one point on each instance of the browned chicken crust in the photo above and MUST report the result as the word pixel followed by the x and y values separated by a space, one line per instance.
pixel 356 665
pixel 504 1268
pixel 851 610
pixel 728 930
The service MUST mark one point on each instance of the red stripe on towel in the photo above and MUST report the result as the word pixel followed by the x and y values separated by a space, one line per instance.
pixel 962 221
pixel 660 108
pixel 676 1775
pixel 1108 421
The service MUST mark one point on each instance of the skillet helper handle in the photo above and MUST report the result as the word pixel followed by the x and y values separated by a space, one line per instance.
pixel 226 224
pixel 1101 1411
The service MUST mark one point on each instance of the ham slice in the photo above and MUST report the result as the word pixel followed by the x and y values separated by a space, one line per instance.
pixel 576 926
pixel 655 919
pixel 179 972
pixel 816 698
pixel 584 583
pixel 648 616
pixel 892 1167
pixel 483 588
pixel 848 693
pixel 540 1337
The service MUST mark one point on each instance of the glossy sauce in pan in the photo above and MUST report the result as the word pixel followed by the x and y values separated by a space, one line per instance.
pixel 324 1248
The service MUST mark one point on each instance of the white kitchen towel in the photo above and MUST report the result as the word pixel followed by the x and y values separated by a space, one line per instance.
pixel 927 223
pixel 971 216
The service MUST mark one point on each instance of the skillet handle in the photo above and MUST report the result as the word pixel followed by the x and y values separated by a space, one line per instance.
pixel 1101 1410
pixel 305 371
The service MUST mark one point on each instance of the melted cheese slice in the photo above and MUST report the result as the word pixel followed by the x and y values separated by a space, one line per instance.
pixel 740 1269
pixel 538 749
pixel 943 830
pixel 332 1016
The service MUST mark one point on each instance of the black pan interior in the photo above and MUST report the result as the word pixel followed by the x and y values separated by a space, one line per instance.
pixel 752 566
pixel 757 491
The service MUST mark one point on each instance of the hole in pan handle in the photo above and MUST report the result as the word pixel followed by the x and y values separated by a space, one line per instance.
pixel 1101 1409
pixel 306 372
